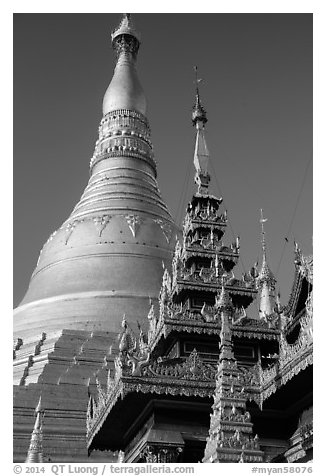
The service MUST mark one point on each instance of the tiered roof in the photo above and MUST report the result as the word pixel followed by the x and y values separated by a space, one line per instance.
pixel 194 300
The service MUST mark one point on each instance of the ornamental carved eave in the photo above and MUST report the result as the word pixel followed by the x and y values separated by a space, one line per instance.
pixel 147 385
pixel 199 249
pixel 203 214
pixel 290 325
pixel 303 270
pixel 307 268
pixel 294 296
pixel 194 378
pixel 173 318
pixel 209 223
pixel 293 358
pixel 196 282
pixel 139 370
pixel 189 252
pixel 192 327
pixel 277 377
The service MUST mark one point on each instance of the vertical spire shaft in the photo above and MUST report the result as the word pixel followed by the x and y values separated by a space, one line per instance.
pixel 35 451
pixel 201 155
pixel 229 443
pixel 266 280
pixel 224 305
pixel 263 240
pixel 198 112
pixel 125 90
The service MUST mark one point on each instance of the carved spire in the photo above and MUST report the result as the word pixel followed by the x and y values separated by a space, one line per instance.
pixel 297 254
pixel 224 302
pixel 230 434
pixel 198 112
pixel 127 339
pixel 35 452
pixel 224 305
pixel 265 272
pixel 201 155
pixel 266 280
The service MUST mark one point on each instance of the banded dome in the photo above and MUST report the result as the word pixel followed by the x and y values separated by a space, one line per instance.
pixel 106 258
pixel 103 262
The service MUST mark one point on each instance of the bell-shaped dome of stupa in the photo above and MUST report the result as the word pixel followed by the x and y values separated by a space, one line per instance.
pixel 106 258
pixel 104 261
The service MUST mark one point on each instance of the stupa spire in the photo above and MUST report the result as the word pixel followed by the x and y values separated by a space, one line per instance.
pixel 266 280
pixel 125 91
pixel 35 452
pixel 108 252
pixel 201 155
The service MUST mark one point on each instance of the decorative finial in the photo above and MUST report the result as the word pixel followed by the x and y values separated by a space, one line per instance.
pixel 224 305
pixel 266 280
pixel 124 322
pixel 297 254
pixel 125 38
pixel 201 155
pixel 224 302
pixel 198 112
pixel 38 408
pixel 216 265
pixel 35 453
pixel 265 272
pixel 262 221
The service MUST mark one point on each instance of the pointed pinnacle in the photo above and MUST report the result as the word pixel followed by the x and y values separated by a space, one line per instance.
pixel 38 408
pixel 224 300
pixel 124 321
pixel 265 273
pixel 126 27
pixel 198 112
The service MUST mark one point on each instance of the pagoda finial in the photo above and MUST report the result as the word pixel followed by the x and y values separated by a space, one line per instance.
pixel 265 272
pixel 125 38
pixel 125 90
pixel 266 280
pixel 198 112
pixel 201 155
pixel 125 27
pixel 35 452
pixel 262 221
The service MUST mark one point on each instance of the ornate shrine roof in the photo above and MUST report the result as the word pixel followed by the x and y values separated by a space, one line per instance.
pixel 192 377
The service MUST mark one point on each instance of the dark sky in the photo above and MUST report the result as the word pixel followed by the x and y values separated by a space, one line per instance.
pixel 257 90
